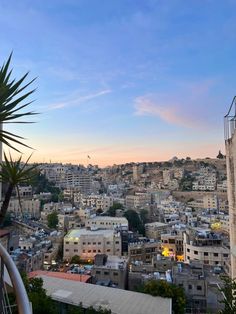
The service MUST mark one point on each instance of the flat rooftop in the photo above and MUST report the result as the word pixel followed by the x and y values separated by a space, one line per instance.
pixel 76 233
pixel 60 275
pixel 108 218
pixel 117 300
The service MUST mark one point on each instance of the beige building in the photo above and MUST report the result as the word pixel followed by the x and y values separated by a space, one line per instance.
pixel 155 229
pixel 143 251
pixel 106 222
pixel 230 147
pixel 205 246
pixel 138 201
pixel 110 268
pixel 87 243
pixel 29 207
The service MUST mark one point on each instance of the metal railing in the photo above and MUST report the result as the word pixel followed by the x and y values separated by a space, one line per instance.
pixel 230 120
pixel 22 301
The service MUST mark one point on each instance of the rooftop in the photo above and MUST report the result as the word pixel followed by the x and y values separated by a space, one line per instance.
pixel 76 233
pixel 60 275
pixel 117 300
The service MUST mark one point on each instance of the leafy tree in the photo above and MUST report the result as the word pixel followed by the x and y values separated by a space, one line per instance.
pixel 229 292
pixel 52 220
pixel 135 223
pixel 75 259
pixel 41 184
pixel 112 210
pixel 144 215
pixel 41 303
pixel 14 174
pixel 11 103
pixel 164 289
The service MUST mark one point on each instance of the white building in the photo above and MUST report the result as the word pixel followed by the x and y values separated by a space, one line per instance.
pixel 88 243
pixel 106 222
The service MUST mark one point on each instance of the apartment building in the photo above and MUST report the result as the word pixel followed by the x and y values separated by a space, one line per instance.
pixel 87 243
pixel 27 207
pixel 155 229
pixel 111 270
pixel 230 148
pixel 205 246
pixel 106 222
pixel 98 202
pixel 143 251
pixel 138 201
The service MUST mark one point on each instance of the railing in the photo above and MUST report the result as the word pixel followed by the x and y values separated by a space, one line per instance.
pixel 22 301
pixel 230 120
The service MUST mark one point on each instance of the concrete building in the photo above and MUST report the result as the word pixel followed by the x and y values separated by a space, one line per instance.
pixel 205 246
pixel 87 243
pixel 230 148
pixel 27 207
pixel 106 222
pixel 143 251
pixel 155 229
pixel 112 270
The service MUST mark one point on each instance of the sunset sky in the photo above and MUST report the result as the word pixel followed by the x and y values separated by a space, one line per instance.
pixel 123 80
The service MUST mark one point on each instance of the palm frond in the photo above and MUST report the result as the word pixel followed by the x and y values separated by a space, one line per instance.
pixel 12 102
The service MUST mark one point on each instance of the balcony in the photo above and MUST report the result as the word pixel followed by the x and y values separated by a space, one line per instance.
pixel 230 120
pixel 10 281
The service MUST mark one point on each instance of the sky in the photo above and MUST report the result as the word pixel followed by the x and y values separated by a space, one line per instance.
pixel 123 80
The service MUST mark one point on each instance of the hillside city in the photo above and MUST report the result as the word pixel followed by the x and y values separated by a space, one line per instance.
pixel 124 225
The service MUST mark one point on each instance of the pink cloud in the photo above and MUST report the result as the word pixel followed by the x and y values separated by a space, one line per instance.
pixel 145 106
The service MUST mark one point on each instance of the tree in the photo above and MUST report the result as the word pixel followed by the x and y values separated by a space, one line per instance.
pixel 14 174
pixel 229 292
pixel 41 303
pixel 144 215
pixel 164 289
pixel 11 99
pixel 135 223
pixel 52 220
pixel 112 210
pixel 220 155
pixel 75 259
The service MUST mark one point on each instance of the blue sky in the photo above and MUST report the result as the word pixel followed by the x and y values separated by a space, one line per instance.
pixel 123 80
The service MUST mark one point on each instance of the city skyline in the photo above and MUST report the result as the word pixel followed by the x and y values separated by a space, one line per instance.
pixel 123 81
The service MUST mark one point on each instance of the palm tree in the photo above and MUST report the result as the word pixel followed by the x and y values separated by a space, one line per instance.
pixel 14 173
pixel 11 99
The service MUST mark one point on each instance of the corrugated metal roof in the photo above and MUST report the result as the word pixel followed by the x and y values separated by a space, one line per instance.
pixel 117 300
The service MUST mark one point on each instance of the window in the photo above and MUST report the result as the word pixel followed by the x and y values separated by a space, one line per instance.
pixel 216 254
pixel 196 252
pixel 89 251
pixel 84 243
pixel 205 253
pixel 99 243
pixel 98 272
pixel 67 250
pixel 117 242
pixel 225 255
pixel 115 274
pixel 84 251
pixel 108 250
pixel 108 242
pixel 190 287
pixel 188 250
pixel 106 273
pixel 94 251
pixel 94 243
pixel 199 288
pixel 75 250
pixel 75 242
pixel 67 242
pixel 89 243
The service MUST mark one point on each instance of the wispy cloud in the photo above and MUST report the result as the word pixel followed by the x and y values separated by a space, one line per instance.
pixel 77 100
pixel 188 105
